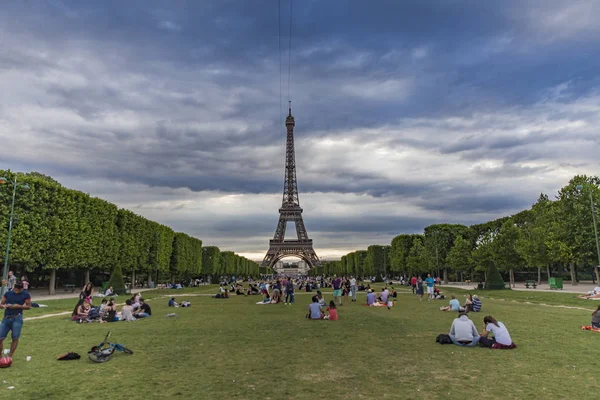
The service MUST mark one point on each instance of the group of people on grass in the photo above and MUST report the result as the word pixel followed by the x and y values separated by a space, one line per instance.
pixel 317 310
pixel 84 311
pixel 472 303
pixel 464 333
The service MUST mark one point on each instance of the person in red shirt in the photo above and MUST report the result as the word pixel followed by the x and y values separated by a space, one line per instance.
pixel 333 315
pixel 413 282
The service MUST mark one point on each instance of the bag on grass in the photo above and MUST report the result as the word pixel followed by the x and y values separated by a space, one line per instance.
pixel 443 339
pixel 69 356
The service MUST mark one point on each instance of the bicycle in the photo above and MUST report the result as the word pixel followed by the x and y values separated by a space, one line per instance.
pixel 102 352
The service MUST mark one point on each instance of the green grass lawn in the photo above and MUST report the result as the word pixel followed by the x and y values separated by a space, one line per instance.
pixel 236 349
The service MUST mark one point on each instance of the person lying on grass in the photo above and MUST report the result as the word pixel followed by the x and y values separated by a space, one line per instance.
pixel 592 294
pixel 314 309
pixel 332 314
pixel 453 306
pixel 501 339
pixel 463 331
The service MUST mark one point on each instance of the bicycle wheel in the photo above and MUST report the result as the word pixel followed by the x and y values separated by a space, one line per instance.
pixel 99 357
pixel 124 349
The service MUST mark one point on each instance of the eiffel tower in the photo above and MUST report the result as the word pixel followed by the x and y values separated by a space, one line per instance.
pixel 290 211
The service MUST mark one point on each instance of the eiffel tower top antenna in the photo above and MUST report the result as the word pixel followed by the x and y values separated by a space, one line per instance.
pixel 290 108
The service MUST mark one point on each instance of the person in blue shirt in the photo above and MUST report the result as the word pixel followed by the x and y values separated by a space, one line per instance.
pixel 454 305
pixel 371 297
pixel 13 303
pixel 430 282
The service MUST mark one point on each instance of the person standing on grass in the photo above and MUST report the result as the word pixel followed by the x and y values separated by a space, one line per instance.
pixel 430 282
pixel 289 292
pixel 353 288
pixel 12 280
pixel 337 289
pixel 420 289
pixel 413 283
pixel 13 303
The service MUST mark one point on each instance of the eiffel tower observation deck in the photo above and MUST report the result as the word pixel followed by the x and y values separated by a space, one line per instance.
pixel 290 210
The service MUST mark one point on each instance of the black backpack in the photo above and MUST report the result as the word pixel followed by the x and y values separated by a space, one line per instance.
pixel 443 339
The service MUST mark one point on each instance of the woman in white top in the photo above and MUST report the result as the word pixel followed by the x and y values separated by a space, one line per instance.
pixel 501 340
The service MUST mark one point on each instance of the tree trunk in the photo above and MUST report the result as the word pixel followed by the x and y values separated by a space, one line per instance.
pixel 539 276
pixel 52 284
pixel 445 275
pixel 484 276
pixel 86 277
pixel 511 276
pixel 548 272
pixel 132 279
pixel 149 278
pixel 573 277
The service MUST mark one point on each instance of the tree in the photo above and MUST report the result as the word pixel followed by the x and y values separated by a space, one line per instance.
pixel 439 239
pixel 494 280
pixel 116 281
pixel 417 257
pixel 505 246
pixel 459 257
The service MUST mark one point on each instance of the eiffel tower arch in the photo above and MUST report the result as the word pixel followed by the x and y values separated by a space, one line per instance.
pixel 290 210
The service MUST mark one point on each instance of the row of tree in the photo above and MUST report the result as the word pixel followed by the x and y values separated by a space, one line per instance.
pixel 555 236
pixel 57 228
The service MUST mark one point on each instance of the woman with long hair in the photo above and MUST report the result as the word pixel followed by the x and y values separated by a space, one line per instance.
pixel 501 339
pixel 469 303
pixel 81 310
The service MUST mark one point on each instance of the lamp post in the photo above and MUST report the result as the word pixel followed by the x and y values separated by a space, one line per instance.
pixel 4 181
pixel 580 188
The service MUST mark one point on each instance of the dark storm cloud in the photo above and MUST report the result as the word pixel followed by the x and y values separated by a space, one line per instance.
pixel 439 105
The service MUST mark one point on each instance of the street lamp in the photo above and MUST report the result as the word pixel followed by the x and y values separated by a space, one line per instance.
pixel 4 181
pixel 580 188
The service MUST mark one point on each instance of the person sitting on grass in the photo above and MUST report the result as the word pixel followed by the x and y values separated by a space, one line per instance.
pixel 127 311
pixel 332 312
pixel 81 311
pixel 370 298
pixel 135 301
pixel 463 331
pixel 453 306
pixel 320 298
pixel 110 311
pixel 102 307
pixel 314 309
pixel 501 339
pixel 594 294
pixel 144 311
pixel 468 302
pixel 173 303
pixel 596 318
pixel 109 292
pixel 383 296
pixel 476 306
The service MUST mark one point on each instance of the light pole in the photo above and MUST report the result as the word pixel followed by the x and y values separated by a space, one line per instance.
pixel 580 188
pixel 4 181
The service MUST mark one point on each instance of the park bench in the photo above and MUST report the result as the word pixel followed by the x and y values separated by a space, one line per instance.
pixel 70 287
pixel 530 284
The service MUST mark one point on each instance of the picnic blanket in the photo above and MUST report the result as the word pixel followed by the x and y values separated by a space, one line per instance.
pixel 589 328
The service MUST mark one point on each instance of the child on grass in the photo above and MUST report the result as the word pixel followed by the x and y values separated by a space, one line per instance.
pixel 332 310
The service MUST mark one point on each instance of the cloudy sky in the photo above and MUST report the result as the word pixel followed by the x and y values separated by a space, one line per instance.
pixel 407 113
